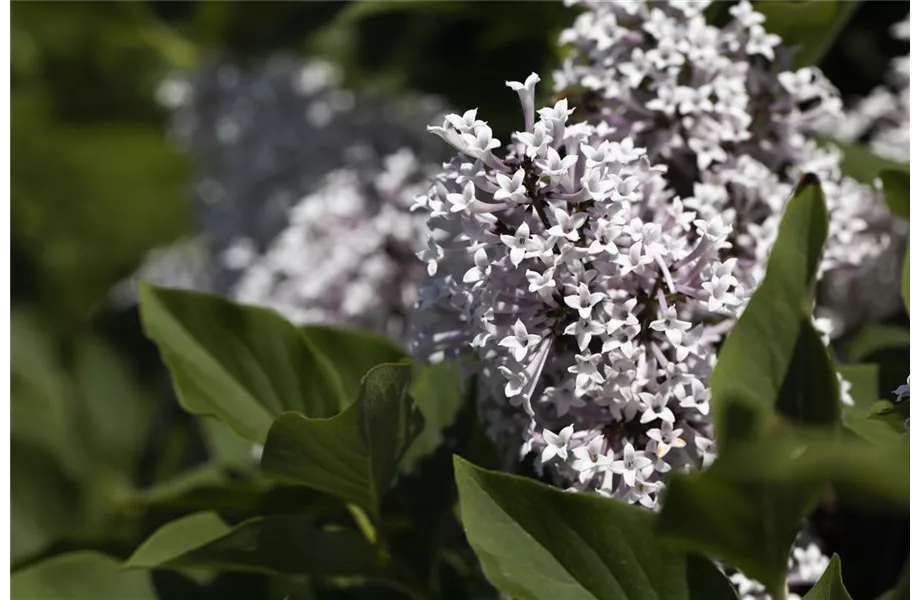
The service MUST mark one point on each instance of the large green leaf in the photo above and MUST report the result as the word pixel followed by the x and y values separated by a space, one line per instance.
pixel 540 543
pixel 706 581
pixel 243 365
pixel 354 455
pixel 80 575
pixel 286 544
pixel 756 356
pixel 810 393
pixel 748 507
pixel 440 394
pixel 896 183
pixel 749 525
pixel 809 26
pixel 352 352
pixel 864 392
pixel 830 585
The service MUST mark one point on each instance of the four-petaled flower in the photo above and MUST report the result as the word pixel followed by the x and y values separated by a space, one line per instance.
pixel 519 243
pixel 521 342
pixel 672 327
pixel 633 462
pixel 583 300
pixel 557 445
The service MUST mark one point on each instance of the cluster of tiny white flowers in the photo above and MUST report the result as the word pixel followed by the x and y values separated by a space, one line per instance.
pixel 302 188
pixel 348 253
pixel 883 117
pixel 714 105
pixel 592 296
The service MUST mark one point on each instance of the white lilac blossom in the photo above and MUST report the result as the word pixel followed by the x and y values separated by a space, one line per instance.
pixel 592 298
pixel 303 189
pixel 717 107
pixel 347 254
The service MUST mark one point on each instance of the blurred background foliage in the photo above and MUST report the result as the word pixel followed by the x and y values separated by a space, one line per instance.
pixel 96 184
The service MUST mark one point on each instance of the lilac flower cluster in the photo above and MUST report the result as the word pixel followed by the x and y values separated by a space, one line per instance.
pixel 716 107
pixel 592 296
pixel 302 188
pixel 366 238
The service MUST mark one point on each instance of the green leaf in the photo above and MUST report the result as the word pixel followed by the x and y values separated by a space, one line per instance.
pixel 286 544
pixel 810 392
pixel 875 338
pixel 864 391
pixel 809 26
pixel 748 507
pixel 82 575
pixel 896 183
pixel 749 525
pixel 891 414
pixel 352 352
pixel 44 503
pixel 243 365
pixel 210 488
pixel 440 395
pixel 354 455
pixel 905 279
pixel 859 162
pixel 177 538
pixel 706 581
pixel 536 542
pixel 756 356
pixel 830 585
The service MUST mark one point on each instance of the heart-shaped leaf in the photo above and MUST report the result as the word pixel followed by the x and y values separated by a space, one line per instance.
pixel 244 365
pixel 536 542
pixel 353 455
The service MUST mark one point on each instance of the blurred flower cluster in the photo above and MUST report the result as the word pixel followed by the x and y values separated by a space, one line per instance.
pixel 880 120
pixel 883 117
pixel 302 188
